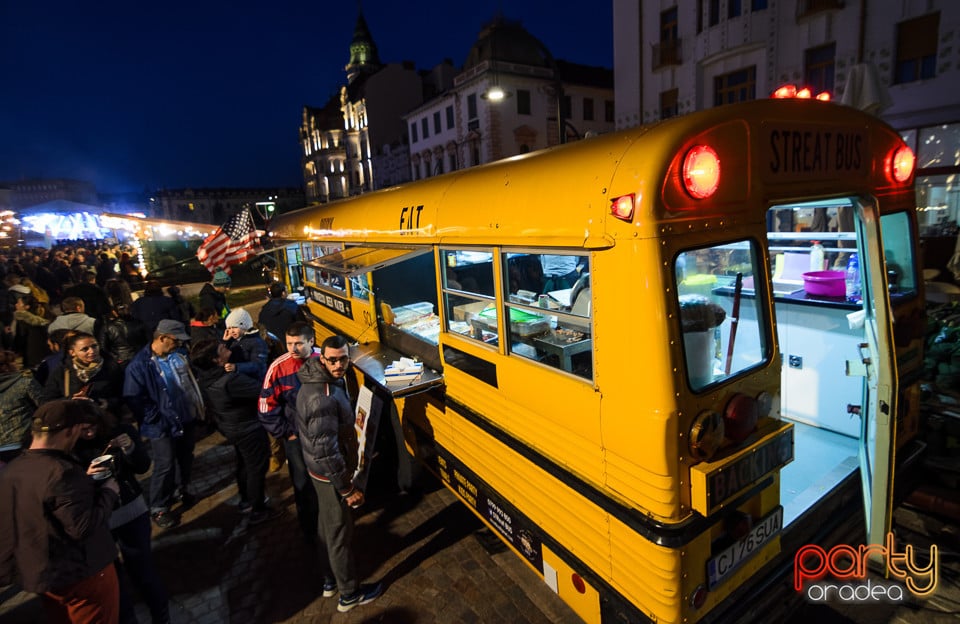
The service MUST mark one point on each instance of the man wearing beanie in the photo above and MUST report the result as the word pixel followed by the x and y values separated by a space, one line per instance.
pixel 248 350
pixel 214 294
pixel 55 522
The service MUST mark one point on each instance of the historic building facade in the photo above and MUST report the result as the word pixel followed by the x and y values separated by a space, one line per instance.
pixel 357 142
pixel 214 206
pixel 898 60
pixel 505 101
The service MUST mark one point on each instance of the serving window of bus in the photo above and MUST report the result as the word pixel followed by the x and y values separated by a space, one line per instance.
pixel 721 314
pixel 547 301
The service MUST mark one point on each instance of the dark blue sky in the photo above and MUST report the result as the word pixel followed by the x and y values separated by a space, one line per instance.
pixel 135 96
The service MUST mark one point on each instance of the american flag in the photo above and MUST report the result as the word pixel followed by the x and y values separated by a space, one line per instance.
pixel 233 242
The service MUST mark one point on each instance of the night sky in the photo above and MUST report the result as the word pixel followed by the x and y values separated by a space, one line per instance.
pixel 139 96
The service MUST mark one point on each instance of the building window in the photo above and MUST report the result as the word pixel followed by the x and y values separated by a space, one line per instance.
pixel 523 102
pixel 450 122
pixel 714 17
pixel 809 7
pixel 453 162
pixel 436 122
pixel 566 107
pixel 413 132
pixel 425 127
pixel 608 111
pixel 758 5
pixel 472 106
pixel 667 51
pixel 917 48
pixel 588 109
pixel 668 104
pixel 699 16
pixel 668 25
pixel 734 8
pixel 819 68
pixel 737 86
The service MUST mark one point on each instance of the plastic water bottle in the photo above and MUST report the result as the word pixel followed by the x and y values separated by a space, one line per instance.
pixel 816 256
pixel 853 278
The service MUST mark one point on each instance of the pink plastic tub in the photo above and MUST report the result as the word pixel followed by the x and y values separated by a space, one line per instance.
pixel 825 283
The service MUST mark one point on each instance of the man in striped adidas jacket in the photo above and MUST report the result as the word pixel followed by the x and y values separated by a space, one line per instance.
pixel 278 413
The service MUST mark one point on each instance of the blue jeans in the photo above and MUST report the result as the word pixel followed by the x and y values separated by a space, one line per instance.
pixel 172 467
pixel 303 493
pixel 133 538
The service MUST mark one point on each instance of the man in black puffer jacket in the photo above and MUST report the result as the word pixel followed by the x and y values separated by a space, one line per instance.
pixel 231 399
pixel 329 440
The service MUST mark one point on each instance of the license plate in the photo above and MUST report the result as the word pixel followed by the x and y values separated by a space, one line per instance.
pixel 724 564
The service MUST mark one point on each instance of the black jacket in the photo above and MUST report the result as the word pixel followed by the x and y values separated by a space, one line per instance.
pixel 278 314
pixel 126 467
pixel 151 309
pixel 231 399
pixel 210 297
pixel 326 423
pixel 121 337
pixel 58 535
pixel 106 385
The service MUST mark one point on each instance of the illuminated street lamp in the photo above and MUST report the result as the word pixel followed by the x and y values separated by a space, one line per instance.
pixel 266 209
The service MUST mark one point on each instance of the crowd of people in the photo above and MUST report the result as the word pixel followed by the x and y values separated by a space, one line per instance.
pixel 98 387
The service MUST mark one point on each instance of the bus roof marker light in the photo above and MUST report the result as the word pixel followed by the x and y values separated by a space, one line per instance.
pixel 903 163
pixel 701 172
pixel 787 91
pixel 622 207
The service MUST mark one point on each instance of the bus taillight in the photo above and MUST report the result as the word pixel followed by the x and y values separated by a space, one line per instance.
pixel 701 172
pixel 622 207
pixel 740 417
pixel 902 165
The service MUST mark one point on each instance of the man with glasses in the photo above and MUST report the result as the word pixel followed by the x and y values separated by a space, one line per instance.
pixel 164 396
pixel 329 440
pixel 278 413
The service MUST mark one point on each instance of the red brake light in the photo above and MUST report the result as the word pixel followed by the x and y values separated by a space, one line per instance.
pixel 622 207
pixel 823 96
pixel 701 172
pixel 740 417
pixel 804 94
pixel 903 162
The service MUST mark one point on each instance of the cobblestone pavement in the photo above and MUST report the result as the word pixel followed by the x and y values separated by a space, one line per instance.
pixel 427 549
pixel 424 548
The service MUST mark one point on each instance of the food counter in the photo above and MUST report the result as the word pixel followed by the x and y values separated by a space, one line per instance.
pixel 373 358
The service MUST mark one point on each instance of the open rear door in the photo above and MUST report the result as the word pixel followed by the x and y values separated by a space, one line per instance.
pixel 879 406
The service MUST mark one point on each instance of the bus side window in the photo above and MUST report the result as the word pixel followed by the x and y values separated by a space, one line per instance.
pixel 468 294
pixel 551 318
pixel 360 286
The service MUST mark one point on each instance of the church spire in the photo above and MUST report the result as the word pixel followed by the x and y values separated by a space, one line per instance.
pixel 363 51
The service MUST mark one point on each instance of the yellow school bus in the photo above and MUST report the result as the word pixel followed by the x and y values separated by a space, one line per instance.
pixel 654 362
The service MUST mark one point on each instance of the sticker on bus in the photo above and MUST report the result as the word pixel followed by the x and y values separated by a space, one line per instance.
pixel 724 564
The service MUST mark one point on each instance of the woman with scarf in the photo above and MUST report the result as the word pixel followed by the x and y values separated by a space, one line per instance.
pixel 87 373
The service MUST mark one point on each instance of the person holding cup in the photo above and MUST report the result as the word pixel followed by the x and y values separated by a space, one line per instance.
pixel 112 449
pixel 58 535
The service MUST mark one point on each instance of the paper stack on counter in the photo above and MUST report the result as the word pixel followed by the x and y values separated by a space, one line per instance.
pixel 403 369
